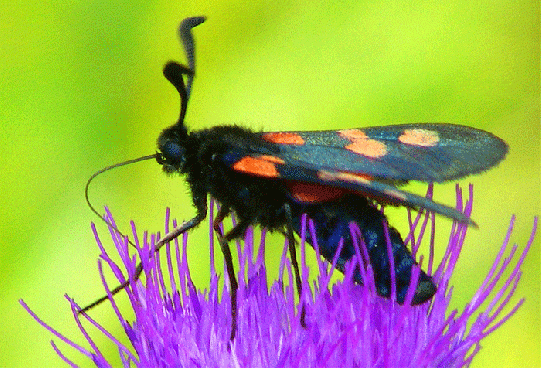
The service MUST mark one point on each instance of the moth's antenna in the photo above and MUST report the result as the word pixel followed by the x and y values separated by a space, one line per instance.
pixel 101 171
pixel 139 268
pixel 186 37
pixel 174 73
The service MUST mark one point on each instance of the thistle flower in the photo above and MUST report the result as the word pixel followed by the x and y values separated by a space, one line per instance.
pixel 347 325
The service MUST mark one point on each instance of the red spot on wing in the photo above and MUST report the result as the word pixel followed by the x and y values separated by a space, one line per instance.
pixel 362 144
pixel 260 166
pixel 276 160
pixel 317 193
pixel 313 193
pixel 420 137
pixel 344 176
pixel 353 134
pixel 396 195
pixel 368 147
pixel 283 138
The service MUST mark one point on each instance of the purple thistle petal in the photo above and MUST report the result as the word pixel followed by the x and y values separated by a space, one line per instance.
pixel 62 356
pixel 122 348
pixel 97 356
pixel 55 332
pixel 347 325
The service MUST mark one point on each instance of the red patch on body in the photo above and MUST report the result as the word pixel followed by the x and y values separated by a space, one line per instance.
pixel 313 193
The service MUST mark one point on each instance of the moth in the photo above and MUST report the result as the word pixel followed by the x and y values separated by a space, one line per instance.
pixel 336 177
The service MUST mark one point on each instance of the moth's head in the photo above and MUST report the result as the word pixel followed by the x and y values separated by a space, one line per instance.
pixel 171 148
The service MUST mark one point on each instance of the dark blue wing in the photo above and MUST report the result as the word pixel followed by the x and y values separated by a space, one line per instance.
pixel 423 152
pixel 372 161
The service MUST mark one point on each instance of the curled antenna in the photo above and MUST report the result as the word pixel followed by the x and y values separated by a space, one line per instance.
pixel 186 37
pixel 101 171
pixel 139 268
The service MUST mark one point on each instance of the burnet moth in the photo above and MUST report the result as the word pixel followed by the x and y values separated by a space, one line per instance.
pixel 335 177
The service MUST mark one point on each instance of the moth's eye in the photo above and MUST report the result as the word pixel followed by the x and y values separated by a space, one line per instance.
pixel 173 151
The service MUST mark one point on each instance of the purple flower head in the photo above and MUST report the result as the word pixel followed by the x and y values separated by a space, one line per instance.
pixel 177 324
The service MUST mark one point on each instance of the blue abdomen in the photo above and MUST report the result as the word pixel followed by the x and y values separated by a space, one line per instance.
pixel 331 222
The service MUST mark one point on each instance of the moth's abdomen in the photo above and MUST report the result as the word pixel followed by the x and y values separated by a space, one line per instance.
pixel 331 222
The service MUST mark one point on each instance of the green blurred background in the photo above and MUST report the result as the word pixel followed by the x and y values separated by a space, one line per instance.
pixel 82 88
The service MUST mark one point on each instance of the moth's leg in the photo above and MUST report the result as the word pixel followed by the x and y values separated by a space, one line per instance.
pixel 224 240
pixel 176 232
pixel 293 255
